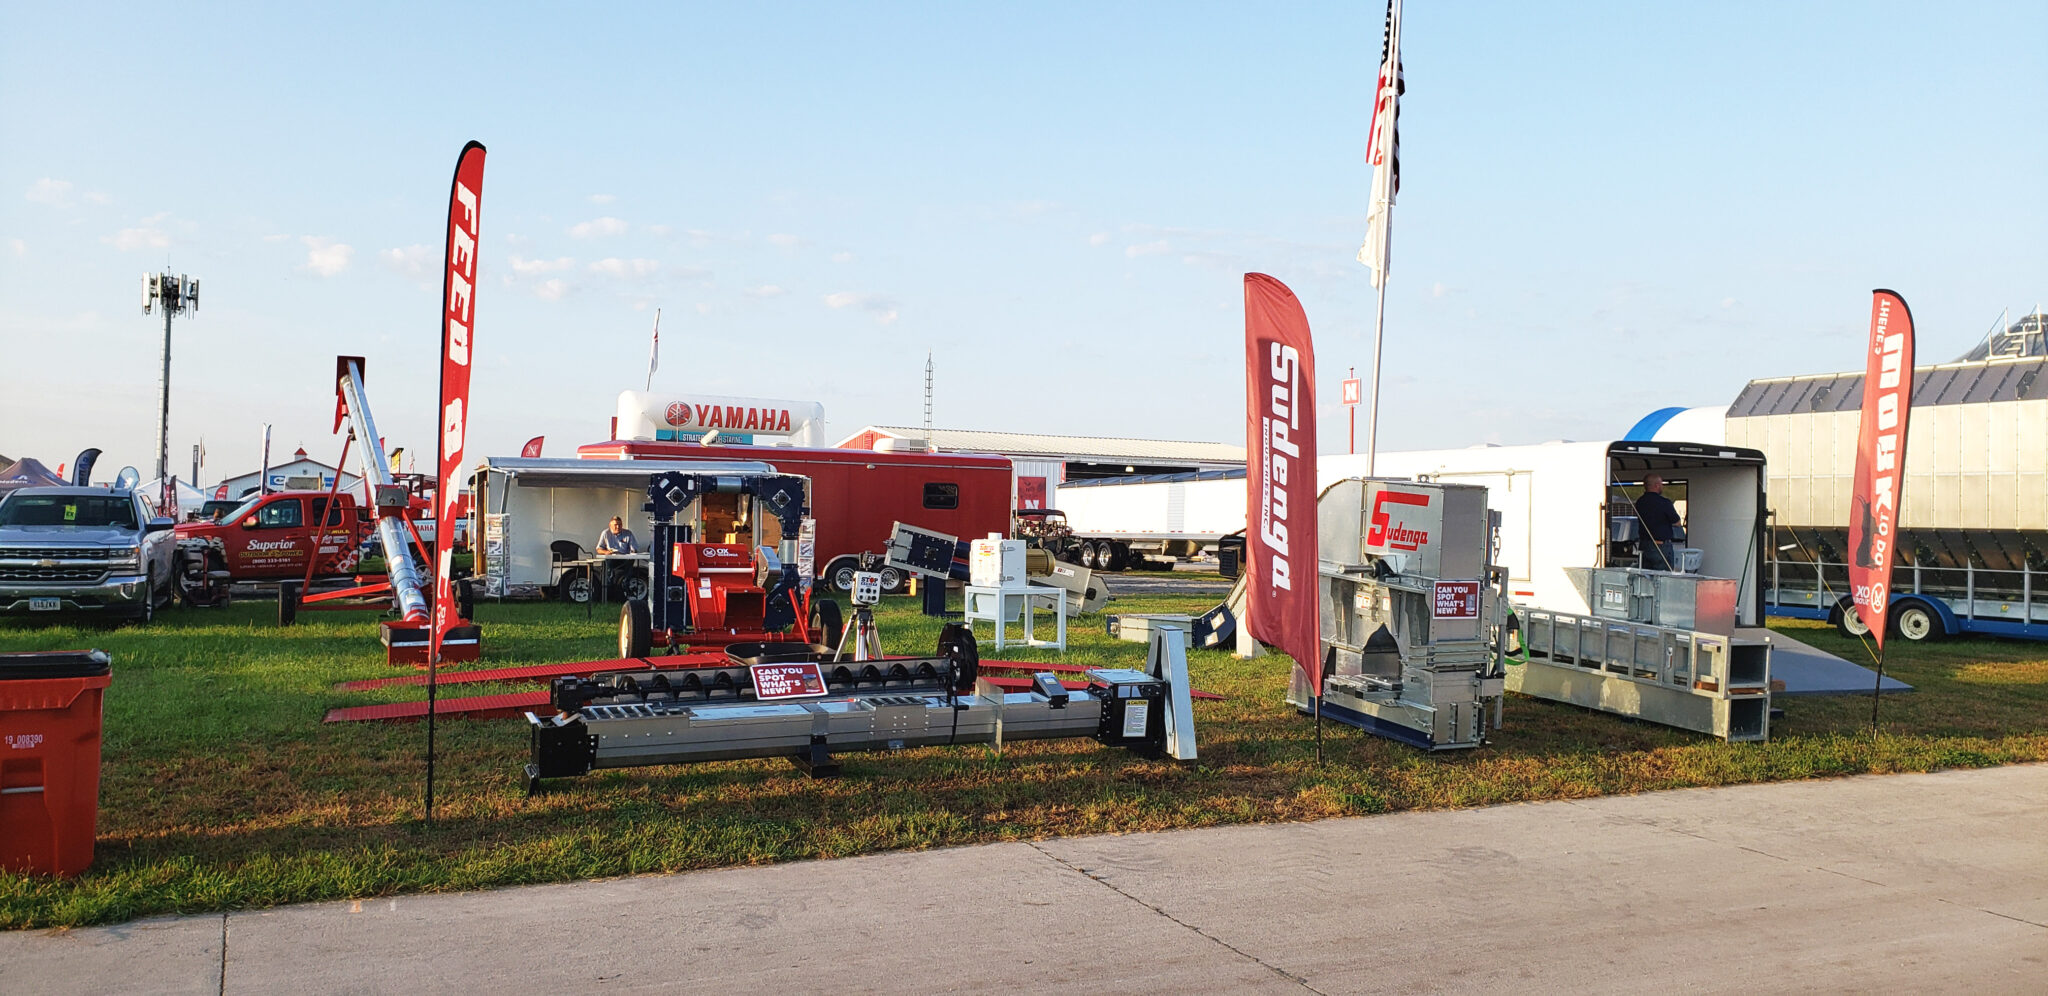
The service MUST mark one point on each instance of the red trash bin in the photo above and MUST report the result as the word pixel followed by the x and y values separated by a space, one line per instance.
pixel 50 759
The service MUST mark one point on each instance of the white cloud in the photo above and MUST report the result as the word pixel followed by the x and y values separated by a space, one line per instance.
pixel 1099 238
pixel 883 309
pixel 19 247
pixel 842 257
pixel 596 227
pixel 325 256
pixel 664 231
pixel 1437 290
pixel 48 191
pixel 1728 302
pixel 143 237
pixel 59 193
pixel 786 242
pixel 1148 249
pixel 602 198
pixel 550 290
pixel 763 291
pixel 634 268
pixel 414 261
pixel 534 267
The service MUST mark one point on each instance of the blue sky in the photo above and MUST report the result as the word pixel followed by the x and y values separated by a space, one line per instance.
pixel 1605 209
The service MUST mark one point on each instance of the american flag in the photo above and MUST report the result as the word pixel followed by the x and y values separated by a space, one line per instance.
pixel 1383 148
pixel 654 351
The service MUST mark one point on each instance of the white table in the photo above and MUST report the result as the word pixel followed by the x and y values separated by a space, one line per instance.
pixel 998 605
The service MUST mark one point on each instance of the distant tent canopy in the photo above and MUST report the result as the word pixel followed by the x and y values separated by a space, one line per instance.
pixel 29 472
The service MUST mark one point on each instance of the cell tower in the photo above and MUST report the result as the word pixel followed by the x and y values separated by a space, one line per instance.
pixel 175 295
pixel 927 401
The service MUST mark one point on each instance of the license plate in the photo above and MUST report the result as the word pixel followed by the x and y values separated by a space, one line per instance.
pixel 44 605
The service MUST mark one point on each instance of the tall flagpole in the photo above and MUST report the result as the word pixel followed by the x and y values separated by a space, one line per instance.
pixel 1384 154
pixel 1372 414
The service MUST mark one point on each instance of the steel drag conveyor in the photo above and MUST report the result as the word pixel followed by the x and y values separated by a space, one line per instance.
pixel 799 702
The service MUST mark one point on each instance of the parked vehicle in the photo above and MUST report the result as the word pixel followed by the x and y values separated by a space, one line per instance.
pixel 270 538
pixel 90 551
pixel 1972 543
pixel 1117 523
pixel 857 496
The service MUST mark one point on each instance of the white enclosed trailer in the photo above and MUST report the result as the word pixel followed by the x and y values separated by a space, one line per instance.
pixel 523 507
pixel 1557 502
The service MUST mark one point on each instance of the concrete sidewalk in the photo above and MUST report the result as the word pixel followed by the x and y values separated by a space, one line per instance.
pixel 1908 882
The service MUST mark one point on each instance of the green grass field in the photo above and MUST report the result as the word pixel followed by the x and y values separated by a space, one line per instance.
pixel 223 789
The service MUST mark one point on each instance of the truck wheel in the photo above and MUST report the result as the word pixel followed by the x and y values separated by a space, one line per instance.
pixel 636 587
pixel 576 588
pixel 287 603
pixel 1106 558
pixel 147 613
pixel 1087 558
pixel 841 572
pixel 892 581
pixel 1114 556
pixel 1917 624
pixel 1849 623
pixel 635 630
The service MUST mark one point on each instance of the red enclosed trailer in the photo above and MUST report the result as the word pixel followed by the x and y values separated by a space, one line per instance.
pixel 856 495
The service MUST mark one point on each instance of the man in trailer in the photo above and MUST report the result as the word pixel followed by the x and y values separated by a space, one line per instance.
pixel 617 539
pixel 1660 525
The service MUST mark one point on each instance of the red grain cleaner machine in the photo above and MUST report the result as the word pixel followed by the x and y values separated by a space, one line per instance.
pixel 752 586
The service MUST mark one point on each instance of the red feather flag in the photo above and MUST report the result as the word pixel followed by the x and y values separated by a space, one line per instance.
pixel 1280 451
pixel 1880 459
pixel 532 447
pixel 458 320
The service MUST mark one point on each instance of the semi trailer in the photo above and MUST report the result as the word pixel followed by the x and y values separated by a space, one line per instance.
pixel 1973 521
pixel 1116 523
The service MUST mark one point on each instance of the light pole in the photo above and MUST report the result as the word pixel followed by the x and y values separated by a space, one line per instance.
pixel 175 295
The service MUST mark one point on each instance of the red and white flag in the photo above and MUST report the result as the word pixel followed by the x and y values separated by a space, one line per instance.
pixel 1280 447
pixel 458 325
pixel 532 447
pixel 1383 150
pixel 1880 459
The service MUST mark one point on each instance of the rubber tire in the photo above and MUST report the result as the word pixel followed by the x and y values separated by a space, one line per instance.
pixel 634 587
pixel 1917 619
pixel 956 643
pixel 636 636
pixel 1849 624
pixel 1087 558
pixel 828 624
pixel 147 614
pixel 465 600
pixel 287 603
pixel 1113 555
pixel 893 580
pixel 840 573
pixel 576 588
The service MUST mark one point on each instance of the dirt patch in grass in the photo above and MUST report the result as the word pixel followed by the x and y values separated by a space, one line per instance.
pixel 223 790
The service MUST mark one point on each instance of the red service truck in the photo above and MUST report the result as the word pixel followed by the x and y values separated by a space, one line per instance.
pixel 269 538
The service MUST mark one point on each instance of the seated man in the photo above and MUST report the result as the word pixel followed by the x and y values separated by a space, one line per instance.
pixel 616 538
